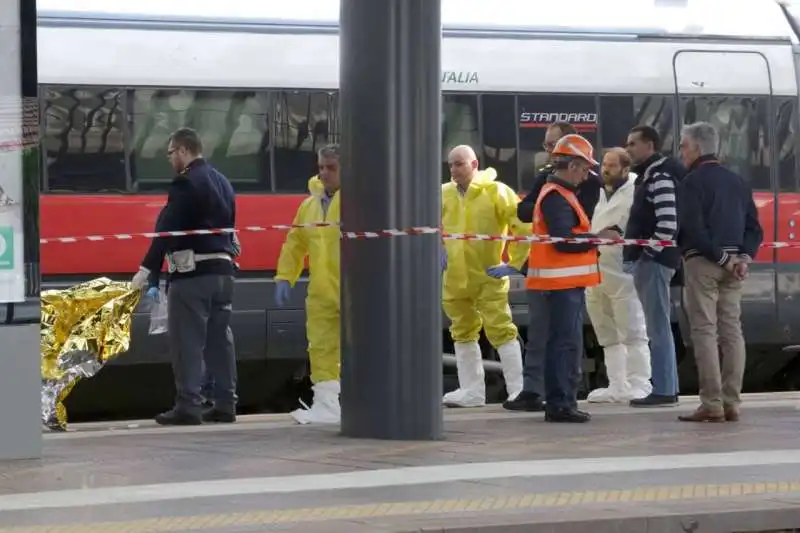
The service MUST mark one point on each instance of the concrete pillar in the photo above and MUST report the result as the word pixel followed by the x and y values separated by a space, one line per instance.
pixel 20 374
pixel 390 99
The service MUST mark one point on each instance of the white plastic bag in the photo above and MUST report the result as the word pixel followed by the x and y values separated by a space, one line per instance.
pixel 158 315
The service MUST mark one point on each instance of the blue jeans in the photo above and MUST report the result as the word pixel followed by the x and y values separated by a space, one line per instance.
pixel 652 285
pixel 536 346
pixel 564 345
pixel 207 390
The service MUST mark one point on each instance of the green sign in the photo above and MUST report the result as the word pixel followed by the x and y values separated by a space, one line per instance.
pixel 6 248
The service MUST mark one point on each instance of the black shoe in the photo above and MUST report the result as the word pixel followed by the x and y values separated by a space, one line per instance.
pixel 655 400
pixel 525 401
pixel 221 417
pixel 568 415
pixel 174 417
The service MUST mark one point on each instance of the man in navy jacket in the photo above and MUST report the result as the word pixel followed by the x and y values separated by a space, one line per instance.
pixel 201 278
pixel 720 234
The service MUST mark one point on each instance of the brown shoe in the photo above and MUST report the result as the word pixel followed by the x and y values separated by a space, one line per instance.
pixel 732 414
pixel 703 415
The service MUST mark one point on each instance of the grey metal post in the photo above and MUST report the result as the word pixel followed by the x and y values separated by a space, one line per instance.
pixel 390 98
pixel 20 374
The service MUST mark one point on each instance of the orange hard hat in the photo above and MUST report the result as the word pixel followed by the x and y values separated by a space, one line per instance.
pixel 574 145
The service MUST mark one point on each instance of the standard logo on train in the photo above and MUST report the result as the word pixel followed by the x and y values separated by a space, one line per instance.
pixel 583 122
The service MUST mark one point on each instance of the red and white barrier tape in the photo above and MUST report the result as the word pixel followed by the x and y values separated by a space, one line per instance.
pixel 541 239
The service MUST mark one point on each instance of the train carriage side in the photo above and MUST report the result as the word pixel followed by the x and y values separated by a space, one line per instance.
pixel 262 117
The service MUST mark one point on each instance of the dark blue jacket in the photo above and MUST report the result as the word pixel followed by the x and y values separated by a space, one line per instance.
pixel 561 218
pixel 718 215
pixel 588 194
pixel 200 198
pixel 654 212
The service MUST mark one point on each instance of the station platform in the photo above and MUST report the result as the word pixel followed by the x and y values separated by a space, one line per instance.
pixel 628 470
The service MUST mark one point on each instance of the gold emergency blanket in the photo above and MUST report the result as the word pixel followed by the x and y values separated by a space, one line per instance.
pixel 83 328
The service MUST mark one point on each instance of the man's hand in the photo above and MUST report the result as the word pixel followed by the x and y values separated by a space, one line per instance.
pixel 742 269
pixel 502 270
pixel 732 266
pixel 609 233
pixel 282 292
pixel 140 280
pixel 628 267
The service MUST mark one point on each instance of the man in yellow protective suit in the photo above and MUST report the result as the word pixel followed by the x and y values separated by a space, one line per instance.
pixel 321 246
pixel 476 284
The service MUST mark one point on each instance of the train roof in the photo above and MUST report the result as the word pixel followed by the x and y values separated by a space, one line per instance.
pixel 727 19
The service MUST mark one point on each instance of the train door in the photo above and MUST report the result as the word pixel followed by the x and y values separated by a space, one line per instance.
pixel 740 106
pixel 787 263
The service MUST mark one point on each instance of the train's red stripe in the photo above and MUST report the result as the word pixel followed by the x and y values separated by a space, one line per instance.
pixel 108 214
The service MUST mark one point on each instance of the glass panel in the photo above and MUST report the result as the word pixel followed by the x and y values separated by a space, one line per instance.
pixel 743 128
pixel 786 127
pixel 83 139
pixel 618 114
pixel 500 137
pixel 536 113
pixel 459 126
pixel 233 125
pixel 306 121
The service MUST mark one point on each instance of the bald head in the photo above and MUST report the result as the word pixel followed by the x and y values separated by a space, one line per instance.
pixel 463 164
pixel 463 151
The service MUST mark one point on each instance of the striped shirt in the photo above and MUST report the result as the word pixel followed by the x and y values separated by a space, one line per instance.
pixel 661 194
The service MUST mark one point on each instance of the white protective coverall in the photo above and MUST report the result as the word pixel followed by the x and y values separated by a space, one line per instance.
pixel 471 298
pixel 615 310
pixel 321 247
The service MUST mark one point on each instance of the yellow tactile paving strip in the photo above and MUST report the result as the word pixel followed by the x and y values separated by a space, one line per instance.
pixel 515 502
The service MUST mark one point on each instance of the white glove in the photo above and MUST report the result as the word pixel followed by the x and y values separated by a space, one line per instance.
pixel 140 280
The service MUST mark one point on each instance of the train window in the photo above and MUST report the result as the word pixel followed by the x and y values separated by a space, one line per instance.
pixel 743 125
pixel 499 135
pixel 233 125
pixel 83 139
pixel 305 122
pixel 459 126
pixel 536 113
pixel 786 128
pixel 618 114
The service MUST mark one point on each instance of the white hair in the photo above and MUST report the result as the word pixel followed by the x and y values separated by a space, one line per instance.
pixel 704 135
pixel 330 151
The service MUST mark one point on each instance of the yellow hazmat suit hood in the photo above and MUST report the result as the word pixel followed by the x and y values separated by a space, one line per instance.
pixel 315 186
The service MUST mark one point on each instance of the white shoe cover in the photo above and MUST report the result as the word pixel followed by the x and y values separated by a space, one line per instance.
pixel 618 390
pixel 638 369
pixel 471 390
pixel 325 409
pixel 511 360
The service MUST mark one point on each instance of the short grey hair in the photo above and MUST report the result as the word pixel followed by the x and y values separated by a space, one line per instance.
pixel 329 151
pixel 704 135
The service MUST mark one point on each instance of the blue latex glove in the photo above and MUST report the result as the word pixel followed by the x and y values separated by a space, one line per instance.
pixel 282 291
pixel 444 258
pixel 152 293
pixel 502 270
pixel 628 267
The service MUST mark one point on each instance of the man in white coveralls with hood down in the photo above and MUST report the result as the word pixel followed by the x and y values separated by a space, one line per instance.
pixel 614 307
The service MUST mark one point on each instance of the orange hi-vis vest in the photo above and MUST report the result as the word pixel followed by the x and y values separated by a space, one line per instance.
pixel 551 270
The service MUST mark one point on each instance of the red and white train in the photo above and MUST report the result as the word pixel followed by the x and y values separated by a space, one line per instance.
pixel 260 86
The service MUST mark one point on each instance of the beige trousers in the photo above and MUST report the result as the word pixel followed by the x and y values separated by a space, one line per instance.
pixel 712 297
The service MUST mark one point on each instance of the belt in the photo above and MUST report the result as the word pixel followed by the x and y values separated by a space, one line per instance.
pixel 208 257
